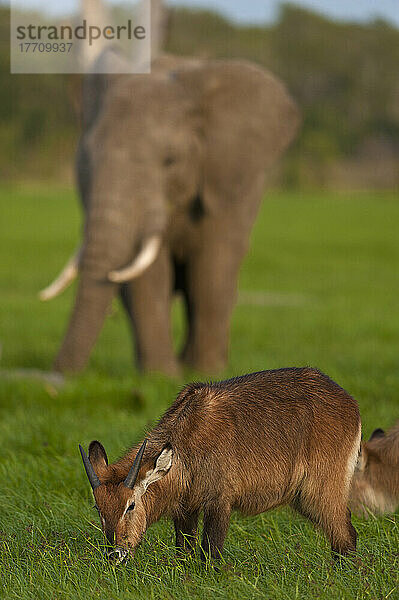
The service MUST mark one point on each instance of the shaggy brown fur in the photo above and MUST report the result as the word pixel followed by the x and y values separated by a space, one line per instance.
pixel 375 484
pixel 252 443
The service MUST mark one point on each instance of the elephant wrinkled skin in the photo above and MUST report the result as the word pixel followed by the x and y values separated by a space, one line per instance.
pixel 171 171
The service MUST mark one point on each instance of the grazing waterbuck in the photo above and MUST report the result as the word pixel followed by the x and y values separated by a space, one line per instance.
pixel 252 443
pixel 375 484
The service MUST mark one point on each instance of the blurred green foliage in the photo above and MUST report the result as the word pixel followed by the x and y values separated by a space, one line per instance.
pixel 345 77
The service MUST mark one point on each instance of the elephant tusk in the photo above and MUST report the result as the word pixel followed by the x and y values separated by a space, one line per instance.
pixel 64 279
pixel 141 262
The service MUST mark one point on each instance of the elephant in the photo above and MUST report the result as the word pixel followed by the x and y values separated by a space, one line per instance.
pixel 171 169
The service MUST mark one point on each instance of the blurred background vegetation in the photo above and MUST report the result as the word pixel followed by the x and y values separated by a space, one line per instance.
pixel 344 76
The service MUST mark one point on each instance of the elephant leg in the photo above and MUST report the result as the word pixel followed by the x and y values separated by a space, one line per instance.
pixel 212 275
pixel 147 300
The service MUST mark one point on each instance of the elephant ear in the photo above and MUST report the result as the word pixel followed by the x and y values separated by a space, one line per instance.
pixel 248 120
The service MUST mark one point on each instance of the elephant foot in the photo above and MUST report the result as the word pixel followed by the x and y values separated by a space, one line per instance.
pixel 68 364
pixel 170 368
pixel 208 365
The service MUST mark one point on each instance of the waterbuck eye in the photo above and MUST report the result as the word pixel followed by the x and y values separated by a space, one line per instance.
pixel 131 507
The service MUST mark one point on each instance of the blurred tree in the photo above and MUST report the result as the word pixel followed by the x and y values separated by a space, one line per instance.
pixel 344 76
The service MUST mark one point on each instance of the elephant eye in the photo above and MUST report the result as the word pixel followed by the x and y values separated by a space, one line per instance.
pixel 169 161
pixel 131 507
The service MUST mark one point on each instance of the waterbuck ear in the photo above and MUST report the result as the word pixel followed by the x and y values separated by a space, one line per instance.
pixel 363 458
pixel 377 433
pixel 97 455
pixel 161 468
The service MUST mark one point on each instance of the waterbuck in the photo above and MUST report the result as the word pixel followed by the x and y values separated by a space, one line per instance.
pixel 375 484
pixel 252 443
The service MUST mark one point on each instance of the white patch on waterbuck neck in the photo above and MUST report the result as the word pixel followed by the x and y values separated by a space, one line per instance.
pixel 353 457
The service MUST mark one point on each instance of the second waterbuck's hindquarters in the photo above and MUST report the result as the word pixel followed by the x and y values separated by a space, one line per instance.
pixel 252 443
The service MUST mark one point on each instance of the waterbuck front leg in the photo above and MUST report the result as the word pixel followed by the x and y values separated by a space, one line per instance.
pixel 216 523
pixel 186 531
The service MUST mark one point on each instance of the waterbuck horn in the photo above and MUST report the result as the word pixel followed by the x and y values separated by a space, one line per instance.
pixel 90 472
pixel 134 471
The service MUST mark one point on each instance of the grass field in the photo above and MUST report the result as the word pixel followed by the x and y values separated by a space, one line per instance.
pixel 319 287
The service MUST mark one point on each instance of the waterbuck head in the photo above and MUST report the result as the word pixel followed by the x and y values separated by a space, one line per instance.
pixel 120 502
pixel 375 483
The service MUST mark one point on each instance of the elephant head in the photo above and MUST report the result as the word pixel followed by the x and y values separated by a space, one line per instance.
pixel 152 143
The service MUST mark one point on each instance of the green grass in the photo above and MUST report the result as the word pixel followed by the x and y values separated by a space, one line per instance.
pixel 320 287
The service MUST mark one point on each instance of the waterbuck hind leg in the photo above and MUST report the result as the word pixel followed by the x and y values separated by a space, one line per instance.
pixel 186 532
pixel 323 495
pixel 343 540
pixel 326 507
pixel 216 524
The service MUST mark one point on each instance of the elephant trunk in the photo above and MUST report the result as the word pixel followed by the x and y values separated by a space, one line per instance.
pixel 110 243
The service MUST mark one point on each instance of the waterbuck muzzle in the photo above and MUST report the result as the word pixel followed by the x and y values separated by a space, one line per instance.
pixel 117 555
